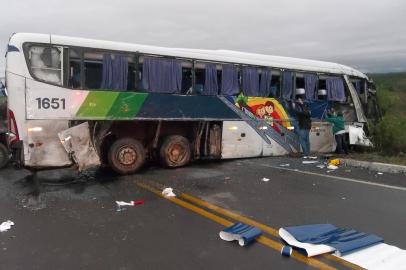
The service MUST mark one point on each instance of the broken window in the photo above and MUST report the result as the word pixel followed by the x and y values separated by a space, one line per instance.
pixel 45 63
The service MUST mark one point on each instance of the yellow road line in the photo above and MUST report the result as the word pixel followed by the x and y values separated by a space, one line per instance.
pixel 263 227
pixel 262 239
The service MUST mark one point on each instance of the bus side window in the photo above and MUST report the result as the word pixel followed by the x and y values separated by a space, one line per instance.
pixel 45 63
pixel 200 78
pixel 186 78
pixel 93 63
pixel 74 69
pixel 275 85
pixel 322 90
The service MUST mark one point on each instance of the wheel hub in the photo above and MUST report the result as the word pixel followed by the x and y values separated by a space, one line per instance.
pixel 176 153
pixel 127 156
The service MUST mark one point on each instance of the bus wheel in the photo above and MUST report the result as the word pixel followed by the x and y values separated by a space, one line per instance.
pixel 4 155
pixel 175 151
pixel 126 156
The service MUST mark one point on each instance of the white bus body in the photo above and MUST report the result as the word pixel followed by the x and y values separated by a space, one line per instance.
pixel 59 115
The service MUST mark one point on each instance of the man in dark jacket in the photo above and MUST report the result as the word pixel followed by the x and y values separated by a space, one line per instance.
pixel 303 115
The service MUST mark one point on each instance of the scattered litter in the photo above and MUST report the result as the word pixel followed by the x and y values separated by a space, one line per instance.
pixel 285 165
pixel 6 225
pixel 347 170
pixel 227 178
pixel 309 161
pixel 121 204
pixel 265 179
pixel 286 251
pixel 296 170
pixel 321 166
pixel 343 198
pixel 332 167
pixel 380 173
pixel 242 233
pixel 334 162
pixel 330 171
pixel 168 192
pixel 312 157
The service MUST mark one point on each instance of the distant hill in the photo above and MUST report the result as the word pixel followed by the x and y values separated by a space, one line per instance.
pixel 390 81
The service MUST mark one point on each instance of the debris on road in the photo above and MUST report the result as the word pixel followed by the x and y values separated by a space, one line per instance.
pixel 227 178
pixel 122 204
pixel 284 165
pixel 309 161
pixel 168 192
pixel 265 179
pixel 310 157
pixel 380 173
pixel 332 167
pixel 365 250
pixel 321 166
pixel 334 162
pixel 286 251
pixel 240 232
pixel 6 225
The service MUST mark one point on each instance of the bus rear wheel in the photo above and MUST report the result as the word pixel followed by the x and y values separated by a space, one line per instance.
pixel 175 151
pixel 126 156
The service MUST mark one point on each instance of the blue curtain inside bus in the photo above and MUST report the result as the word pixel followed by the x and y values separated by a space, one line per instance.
pixel 287 85
pixel 229 80
pixel 115 72
pixel 265 83
pixel 210 81
pixel 335 89
pixel 162 75
pixel 250 81
pixel 310 81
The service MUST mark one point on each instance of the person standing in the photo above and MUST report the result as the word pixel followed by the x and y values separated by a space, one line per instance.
pixel 303 115
pixel 337 120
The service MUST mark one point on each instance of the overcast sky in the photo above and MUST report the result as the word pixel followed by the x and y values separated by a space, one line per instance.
pixel 366 34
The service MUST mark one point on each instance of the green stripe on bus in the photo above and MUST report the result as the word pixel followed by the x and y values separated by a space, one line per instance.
pixel 127 105
pixel 97 104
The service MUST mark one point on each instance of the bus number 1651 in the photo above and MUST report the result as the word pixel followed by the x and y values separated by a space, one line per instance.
pixel 51 103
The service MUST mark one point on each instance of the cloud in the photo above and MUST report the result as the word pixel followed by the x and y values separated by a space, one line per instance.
pixel 368 35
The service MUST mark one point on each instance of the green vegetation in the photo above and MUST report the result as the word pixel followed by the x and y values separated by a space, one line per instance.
pixel 389 134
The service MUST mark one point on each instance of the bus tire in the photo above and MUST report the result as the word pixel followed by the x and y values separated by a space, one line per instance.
pixel 126 156
pixel 175 151
pixel 4 155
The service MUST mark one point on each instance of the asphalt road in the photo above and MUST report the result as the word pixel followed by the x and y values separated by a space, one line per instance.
pixel 72 223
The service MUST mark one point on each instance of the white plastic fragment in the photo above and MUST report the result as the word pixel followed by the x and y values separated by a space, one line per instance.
pixel 168 192
pixel 380 173
pixel 332 167
pixel 321 166
pixel 121 203
pixel 309 161
pixel 6 225
pixel 265 179
pixel 285 165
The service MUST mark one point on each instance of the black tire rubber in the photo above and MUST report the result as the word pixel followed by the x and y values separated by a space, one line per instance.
pixel 4 155
pixel 133 147
pixel 177 159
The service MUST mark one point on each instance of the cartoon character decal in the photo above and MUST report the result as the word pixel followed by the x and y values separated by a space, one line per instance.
pixel 268 109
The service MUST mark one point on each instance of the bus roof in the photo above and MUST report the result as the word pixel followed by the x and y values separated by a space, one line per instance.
pixel 211 55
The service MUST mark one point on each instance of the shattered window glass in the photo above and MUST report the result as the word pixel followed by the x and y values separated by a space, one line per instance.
pixel 46 63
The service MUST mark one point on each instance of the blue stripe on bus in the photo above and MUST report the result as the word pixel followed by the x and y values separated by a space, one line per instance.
pixel 12 48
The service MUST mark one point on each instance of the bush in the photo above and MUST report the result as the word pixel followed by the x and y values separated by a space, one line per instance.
pixel 389 135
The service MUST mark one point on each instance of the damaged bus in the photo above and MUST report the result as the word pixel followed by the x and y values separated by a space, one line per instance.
pixel 75 101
